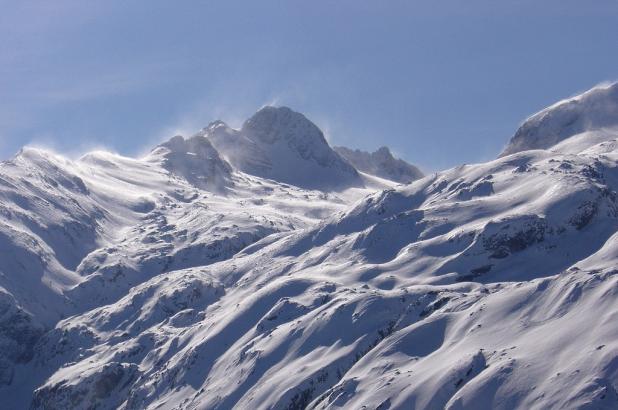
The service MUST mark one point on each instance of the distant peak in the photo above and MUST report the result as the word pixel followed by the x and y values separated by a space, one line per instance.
pixel 381 163
pixel 217 124
pixel 269 114
pixel 270 124
pixel 281 144
pixel 384 151
pixel 176 143
pixel 196 144
pixel 277 110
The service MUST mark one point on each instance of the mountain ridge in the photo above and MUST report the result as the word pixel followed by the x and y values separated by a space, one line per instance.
pixel 151 283
pixel 381 163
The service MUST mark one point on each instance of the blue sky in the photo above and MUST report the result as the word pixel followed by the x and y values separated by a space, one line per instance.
pixel 440 82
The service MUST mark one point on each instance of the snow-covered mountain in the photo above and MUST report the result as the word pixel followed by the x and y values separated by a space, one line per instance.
pixel 200 277
pixel 278 143
pixel 78 234
pixel 381 163
pixel 593 111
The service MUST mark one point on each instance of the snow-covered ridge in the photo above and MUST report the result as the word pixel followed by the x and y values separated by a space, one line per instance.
pixel 279 144
pixel 77 234
pixel 139 284
pixel 402 299
pixel 592 110
pixel 381 163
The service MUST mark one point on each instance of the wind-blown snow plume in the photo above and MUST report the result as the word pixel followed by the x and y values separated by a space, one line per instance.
pixel 593 110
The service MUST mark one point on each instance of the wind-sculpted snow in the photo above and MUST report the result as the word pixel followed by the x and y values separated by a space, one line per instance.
pixel 79 234
pixel 562 211
pixel 492 351
pixel 176 299
pixel 484 286
pixel 594 110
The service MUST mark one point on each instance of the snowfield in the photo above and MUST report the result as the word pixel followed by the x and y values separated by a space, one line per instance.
pixel 261 269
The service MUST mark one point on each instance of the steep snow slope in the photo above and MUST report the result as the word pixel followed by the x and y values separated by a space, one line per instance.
pixel 381 163
pixel 49 220
pixel 196 160
pixel 280 144
pixel 593 110
pixel 485 286
pixel 78 234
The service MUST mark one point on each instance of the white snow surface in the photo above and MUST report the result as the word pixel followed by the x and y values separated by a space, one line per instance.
pixel 183 281
pixel 592 110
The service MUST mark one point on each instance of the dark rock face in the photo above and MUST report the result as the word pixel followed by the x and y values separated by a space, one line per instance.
pixel 509 236
pixel 101 389
pixel 584 214
pixel 18 335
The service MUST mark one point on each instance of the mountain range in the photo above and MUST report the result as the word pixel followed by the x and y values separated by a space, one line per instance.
pixel 261 268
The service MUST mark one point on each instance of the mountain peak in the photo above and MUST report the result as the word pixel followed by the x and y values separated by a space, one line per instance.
pixel 196 145
pixel 215 125
pixel 594 109
pixel 270 124
pixel 383 150
pixel 381 163
pixel 281 144
pixel 194 159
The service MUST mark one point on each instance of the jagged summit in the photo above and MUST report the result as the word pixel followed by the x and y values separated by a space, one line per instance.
pixel 271 124
pixel 215 124
pixel 281 144
pixel 592 110
pixel 195 159
pixel 381 163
